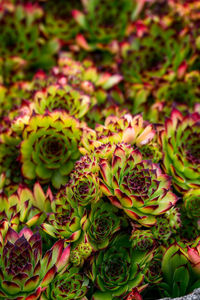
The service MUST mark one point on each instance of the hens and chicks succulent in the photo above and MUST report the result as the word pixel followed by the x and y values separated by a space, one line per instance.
pixel 99 149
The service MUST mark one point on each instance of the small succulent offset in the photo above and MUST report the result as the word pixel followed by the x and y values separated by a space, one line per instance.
pixel 50 147
pixel 166 227
pixel 80 252
pixel 83 188
pixel 86 78
pixel 142 240
pixel 181 150
pixel 191 201
pixel 101 224
pixel 24 273
pixel 137 186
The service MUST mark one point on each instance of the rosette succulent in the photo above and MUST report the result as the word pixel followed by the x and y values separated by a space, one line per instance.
pixel 24 273
pixel 191 201
pixel 72 100
pixel 87 163
pixel 50 147
pixel 86 77
pixel 142 240
pixel 117 269
pixel 65 220
pixel 137 186
pixel 101 225
pixel 153 274
pixel 25 208
pixel 68 284
pixel 178 276
pixel 180 144
pixel 166 227
pixel 83 188
pixel 80 252
pixel 127 129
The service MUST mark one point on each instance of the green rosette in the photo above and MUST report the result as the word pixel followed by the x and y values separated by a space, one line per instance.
pixel 137 186
pixel 66 219
pixel 50 147
pixel 69 285
pixel 101 224
pixel 117 269
pixel 181 150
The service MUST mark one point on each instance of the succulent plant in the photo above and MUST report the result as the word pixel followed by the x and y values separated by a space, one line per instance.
pixel 101 225
pixel 193 255
pixel 82 250
pixel 68 284
pixel 128 129
pixel 83 188
pixel 25 208
pixel 153 273
pixel 86 77
pixel 191 202
pixel 87 163
pixel 65 220
pixel 180 144
pixel 142 239
pixel 178 276
pixel 24 273
pixel 137 186
pixel 50 147
pixel 65 97
pixel 76 259
pixel 116 270
pixel 166 227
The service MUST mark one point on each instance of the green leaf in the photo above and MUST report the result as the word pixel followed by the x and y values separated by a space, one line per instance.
pixel 49 276
pixel 102 296
pixel 39 196
pixel 181 277
pixel 28 170
pixel 10 287
pixel 58 180
pixel 43 172
pixel 31 283
pixel 66 168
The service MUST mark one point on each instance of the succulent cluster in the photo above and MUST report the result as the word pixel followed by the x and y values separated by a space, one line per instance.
pixel 99 149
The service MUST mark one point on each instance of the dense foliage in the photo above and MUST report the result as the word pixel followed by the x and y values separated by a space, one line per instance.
pixel 99 149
